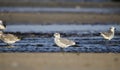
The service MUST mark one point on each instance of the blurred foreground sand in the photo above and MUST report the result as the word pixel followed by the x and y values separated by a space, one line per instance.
pixel 59 61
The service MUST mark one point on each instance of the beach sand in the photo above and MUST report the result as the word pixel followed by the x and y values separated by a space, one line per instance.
pixel 59 61
pixel 50 18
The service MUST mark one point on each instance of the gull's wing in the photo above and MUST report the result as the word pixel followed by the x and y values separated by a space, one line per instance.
pixel 9 37
pixel 108 34
pixel 66 41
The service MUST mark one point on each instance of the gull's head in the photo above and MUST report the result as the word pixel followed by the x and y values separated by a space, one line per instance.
pixel 57 35
pixel 112 29
pixel 2 26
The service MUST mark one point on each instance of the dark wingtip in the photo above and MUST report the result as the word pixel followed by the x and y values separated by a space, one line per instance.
pixel 100 33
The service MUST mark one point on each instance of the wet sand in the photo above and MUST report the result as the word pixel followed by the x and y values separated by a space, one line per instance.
pixel 50 18
pixel 59 61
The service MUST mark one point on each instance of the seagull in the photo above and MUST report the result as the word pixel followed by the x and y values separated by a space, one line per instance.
pixel 9 39
pixel 62 42
pixel 2 26
pixel 108 35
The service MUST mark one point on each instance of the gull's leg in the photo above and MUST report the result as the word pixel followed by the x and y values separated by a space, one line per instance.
pixel 107 42
pixel 62 50
pixel 104 41
pixel 10 45
pixel 77 53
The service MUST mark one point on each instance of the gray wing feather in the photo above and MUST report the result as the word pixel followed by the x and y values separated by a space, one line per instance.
pixel 108 34
pixel 9 37
pixel 66 41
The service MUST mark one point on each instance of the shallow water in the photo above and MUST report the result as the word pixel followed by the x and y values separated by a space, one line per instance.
pixel 60 28
pixel 60 10
pixel 86 36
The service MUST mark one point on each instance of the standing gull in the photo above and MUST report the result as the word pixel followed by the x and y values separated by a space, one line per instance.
pixel 2 26
pixel 9 39
pixel 62 42
pixel 108 35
